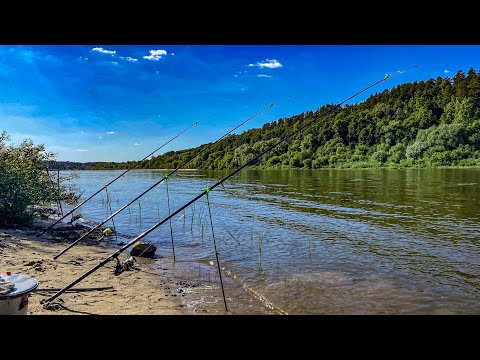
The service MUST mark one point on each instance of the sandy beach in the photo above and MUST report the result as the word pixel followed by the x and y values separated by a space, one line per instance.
pixel 143 290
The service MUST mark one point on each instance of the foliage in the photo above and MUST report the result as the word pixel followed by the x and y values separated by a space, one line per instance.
pixel 424 123
pixel 24 181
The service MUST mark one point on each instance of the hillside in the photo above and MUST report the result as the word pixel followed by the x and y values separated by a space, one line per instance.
pixel 70 165
pixel 426 123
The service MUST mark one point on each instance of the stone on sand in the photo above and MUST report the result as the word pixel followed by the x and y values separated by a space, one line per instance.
pixel 143 249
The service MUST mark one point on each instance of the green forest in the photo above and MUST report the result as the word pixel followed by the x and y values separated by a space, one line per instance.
pixel 420 124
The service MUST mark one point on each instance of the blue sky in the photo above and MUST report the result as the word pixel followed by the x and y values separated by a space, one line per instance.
pixel 119 102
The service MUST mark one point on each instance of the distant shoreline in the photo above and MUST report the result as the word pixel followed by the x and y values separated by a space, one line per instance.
pixel 302 169
pixel 133 169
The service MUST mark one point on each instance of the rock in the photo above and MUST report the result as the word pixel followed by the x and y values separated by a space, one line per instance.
pixel 30 263
pixel 143 249
pixel 38 267
pixel 121 243
pixel 6 235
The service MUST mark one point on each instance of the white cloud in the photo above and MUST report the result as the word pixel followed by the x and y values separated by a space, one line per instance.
pixel 114 63
pixel 136 144
pixel 82 132
pixel 128 58
pixel 264 76
pixel 446 71
pixel 81 150
pixel 111 132
pixel 155 55
pixel 104 51
pixel 268 63
pixel 173 54
pixel 235 75
pixel 100 137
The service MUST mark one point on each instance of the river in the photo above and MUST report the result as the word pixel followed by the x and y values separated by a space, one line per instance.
pixel 370 241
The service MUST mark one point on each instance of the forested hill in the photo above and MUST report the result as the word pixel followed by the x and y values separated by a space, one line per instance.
pixel 425 123
pixel 70 165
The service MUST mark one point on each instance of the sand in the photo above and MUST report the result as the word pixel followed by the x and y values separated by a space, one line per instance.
pixel 142 290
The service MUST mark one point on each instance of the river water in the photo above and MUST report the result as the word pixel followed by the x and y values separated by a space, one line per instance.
pixel 389 241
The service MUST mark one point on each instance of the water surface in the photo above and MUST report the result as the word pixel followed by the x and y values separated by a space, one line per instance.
pixel 390 241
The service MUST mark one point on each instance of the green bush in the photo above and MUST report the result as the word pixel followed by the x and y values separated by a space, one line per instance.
pixel 274 160
pixel 24 181
pixel 380 156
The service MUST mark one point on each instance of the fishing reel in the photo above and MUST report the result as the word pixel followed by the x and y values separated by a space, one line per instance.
pixel 106 233
pixel 127 265
pixel 76 217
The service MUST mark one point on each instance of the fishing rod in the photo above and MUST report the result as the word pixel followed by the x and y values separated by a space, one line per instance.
pixel 119 176
pixel 165 177
pixel 207 190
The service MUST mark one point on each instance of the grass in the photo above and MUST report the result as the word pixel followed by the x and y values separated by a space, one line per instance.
pixel 140 211
pixel 251 234
pixel 260 246
pixel 200 216
pixel 193 215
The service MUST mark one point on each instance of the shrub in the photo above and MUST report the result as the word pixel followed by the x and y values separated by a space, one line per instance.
pixel 24 181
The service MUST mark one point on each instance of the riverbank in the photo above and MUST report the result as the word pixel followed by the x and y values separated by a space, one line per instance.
pixel 148 289
pixel 346 166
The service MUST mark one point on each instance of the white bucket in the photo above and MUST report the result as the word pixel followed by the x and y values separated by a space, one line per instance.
pixel 15 302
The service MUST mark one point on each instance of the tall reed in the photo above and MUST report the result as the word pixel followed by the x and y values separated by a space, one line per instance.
pixel 140 211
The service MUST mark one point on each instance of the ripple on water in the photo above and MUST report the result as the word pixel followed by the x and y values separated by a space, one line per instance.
pixel 335 292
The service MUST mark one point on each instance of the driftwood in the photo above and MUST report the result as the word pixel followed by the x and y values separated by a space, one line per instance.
pixel 79 289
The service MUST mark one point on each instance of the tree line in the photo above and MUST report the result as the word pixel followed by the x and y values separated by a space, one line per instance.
pixel 418 124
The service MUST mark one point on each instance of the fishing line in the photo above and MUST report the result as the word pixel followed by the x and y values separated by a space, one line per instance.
pixel 215 246
pixel 171 230
pixel 161 180
pixel 57 195
pixel 139 237
pixel 119 176
pixel 58 189
pixel 163 233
